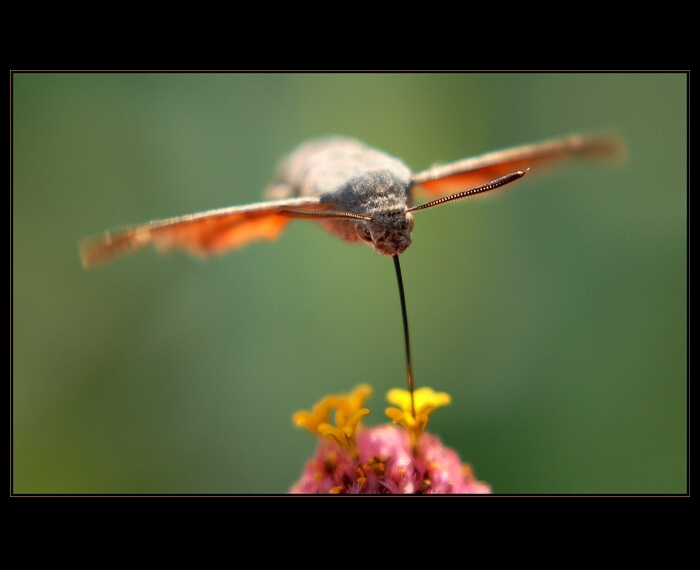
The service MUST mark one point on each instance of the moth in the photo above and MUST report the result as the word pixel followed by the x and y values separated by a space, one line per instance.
pixel 356 192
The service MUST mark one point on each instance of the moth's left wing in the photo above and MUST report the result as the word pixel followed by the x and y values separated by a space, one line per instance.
pixel 446 179
pixel 202 234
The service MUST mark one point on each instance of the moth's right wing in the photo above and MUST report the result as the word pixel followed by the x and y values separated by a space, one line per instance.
pixel 470 172
pixel 202 234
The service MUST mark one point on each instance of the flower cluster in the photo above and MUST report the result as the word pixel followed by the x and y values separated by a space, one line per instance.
pixel 382 459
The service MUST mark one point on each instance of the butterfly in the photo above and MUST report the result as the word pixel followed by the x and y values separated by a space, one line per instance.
pixel 359 193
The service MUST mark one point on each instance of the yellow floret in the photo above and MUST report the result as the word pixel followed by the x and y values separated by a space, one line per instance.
pixel 349 412
pixel 426 400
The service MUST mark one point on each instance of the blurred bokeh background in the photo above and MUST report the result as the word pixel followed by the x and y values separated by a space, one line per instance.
pixel 553 312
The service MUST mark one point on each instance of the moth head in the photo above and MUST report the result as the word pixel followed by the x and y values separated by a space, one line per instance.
pixel 388 233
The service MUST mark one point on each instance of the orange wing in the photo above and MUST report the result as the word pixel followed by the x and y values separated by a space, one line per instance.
pixel 209 232
pixel 448 178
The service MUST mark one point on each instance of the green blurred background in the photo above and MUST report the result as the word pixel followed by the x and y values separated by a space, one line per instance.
pixel 554 312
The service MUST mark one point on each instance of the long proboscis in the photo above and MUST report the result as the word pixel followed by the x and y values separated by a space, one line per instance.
pixel 406 337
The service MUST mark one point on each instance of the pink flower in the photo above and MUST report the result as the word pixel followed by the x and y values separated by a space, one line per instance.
pixel 380 459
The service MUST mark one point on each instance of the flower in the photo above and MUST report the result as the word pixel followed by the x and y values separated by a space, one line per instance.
pixel 383 459
pixel 347 417
pixel 425 400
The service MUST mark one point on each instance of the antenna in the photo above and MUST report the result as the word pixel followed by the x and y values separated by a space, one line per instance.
pixel 502 181
pixel 322 214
